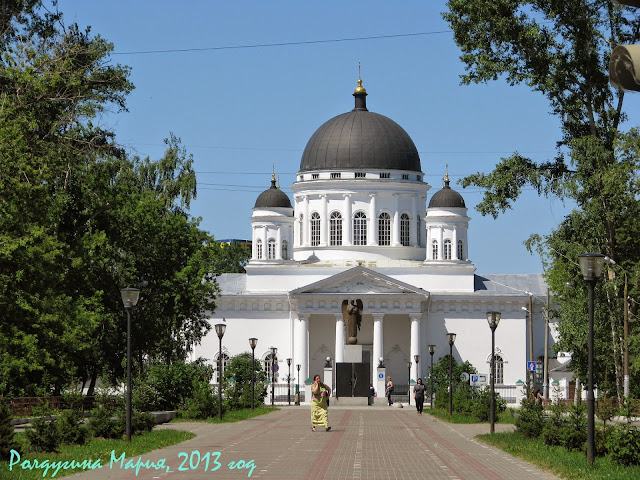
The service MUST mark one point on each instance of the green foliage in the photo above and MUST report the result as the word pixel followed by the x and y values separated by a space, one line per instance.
pixel 70 427
pixel 237 394
pixel 203 403
pixel 623 444
pixel 43 435
pixel 574 434
pixel 7 434
pixel 140 422
pixel 530 419
pixel 102 424
pixel 169 387
pixel 440 379
pixel 481 404
pixel 230 258
pixel 554 426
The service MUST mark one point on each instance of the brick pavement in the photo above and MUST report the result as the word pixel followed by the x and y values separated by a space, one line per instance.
pixel 365 443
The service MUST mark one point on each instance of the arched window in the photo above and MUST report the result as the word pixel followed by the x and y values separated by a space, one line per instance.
pixel 225 362
pixel 384 229
pixel 271 249
pixel 268 363
pixel 258 249
pixel 404 230
pixel 499 370
pixel 360 228
pixel 419 227
pixel 335 224
pixel 301 232
pixel 285 250
pixel 447 249
pixel 315 229
pixel 460 250
pixel 434 250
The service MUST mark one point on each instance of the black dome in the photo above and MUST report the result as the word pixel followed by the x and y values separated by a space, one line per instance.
pixel 273 198
pixel 360 139
pixel 447 197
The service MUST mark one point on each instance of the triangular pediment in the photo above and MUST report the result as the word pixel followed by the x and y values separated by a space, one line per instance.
pixel 361 281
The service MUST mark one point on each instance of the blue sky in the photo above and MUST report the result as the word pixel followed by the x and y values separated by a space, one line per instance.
pixel 240 110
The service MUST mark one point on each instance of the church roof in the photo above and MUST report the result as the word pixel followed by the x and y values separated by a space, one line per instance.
pixel 447 197
pixel 360 139
pixel 273 197
pixel 511 283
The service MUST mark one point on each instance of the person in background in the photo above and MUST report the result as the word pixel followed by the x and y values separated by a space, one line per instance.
pixel 389 390
pixel 418 394
pixel 320 404
pixel 372 393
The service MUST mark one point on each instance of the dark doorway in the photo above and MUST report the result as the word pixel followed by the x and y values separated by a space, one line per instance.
pixel 352 379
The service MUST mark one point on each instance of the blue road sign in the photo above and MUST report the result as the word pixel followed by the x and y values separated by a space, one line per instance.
pixel 381 375
pixel 275 367
pixel 474 378
pixel 531 366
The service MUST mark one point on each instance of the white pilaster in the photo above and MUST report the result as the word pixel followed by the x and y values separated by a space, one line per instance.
pixel 347 222
pixel 372 235
pixel 339 353
pixel 440 242
pixel 324 222
pixel 378 344
pixel 415 319
pixel 395 227
pixel 265 245
pixel 279 244
pixel 413 222
pixel 454 243
pixel 429 245
pixel 305 221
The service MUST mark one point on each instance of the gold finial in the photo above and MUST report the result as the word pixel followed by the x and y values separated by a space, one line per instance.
pixel 446 176
pixel 273 176
pixel 359 88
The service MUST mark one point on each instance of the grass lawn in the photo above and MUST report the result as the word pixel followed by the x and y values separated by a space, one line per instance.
pixel 232 416
pixel 443 414
pixel 560 461
pixel 94 449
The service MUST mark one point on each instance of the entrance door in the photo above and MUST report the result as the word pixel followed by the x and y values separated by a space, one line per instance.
pixel 352 379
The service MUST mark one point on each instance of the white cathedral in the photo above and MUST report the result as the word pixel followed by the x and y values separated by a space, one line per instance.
pixel 363 225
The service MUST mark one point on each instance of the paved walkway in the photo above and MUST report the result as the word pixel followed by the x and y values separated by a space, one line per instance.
pixel 365 443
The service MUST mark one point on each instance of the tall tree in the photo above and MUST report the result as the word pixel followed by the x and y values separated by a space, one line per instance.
pixel 561 49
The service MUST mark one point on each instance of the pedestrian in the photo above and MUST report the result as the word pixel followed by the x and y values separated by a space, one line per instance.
pixel 389 390
pixel 418 394
pixel 372 393
pixel 320 404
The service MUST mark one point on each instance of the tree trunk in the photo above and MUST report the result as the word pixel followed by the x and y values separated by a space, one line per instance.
pixel 92 384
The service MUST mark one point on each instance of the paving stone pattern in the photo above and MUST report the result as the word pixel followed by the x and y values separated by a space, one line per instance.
pixel 365 443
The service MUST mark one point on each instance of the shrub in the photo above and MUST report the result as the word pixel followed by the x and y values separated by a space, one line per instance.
pixel 623 445
pixel 238 394
pixel 7 435
pixel 481 405
pixel 43 434
pixel 553 427
pixel 574 433
pixel 602 437
pixel 70 427
pixel 140 422
pixel 102 424
pixel 463 399
pixel 530 420
pixel 203 404
pixel 145 397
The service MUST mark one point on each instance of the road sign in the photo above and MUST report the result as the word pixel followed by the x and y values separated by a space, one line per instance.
pixel 474 378
pixel 464 377
pixel 531 366
pixel 381 375
pixel 275 367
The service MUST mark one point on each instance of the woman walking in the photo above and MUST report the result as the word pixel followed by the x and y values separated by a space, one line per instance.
pixel 389 390
pixel 418 395
pixel 319 404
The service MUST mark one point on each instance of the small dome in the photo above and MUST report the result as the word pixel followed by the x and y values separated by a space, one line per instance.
pixel 447 197
pixel 360 139
pixel 273 197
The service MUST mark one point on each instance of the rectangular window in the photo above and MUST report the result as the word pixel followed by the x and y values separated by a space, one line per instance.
pixel 335 175
pixel 385 175
pixel 315 176
pixel 405 176
pixel 361 174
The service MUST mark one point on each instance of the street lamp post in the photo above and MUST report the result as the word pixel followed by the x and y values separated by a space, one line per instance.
pixel 274 350
pixel 129 299
pixel 220 328
pixel 493 318
pixel 298 382
pixel 289 381
pixel 432 350
pixel 591 265
pixel 252 343
pixel 409 384
pixel 451 338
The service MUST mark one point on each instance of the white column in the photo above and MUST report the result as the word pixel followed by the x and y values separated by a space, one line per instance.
pixel 324 222
pixel 339 352
pixel 440 242
pixel 278 244
pixel 265 246
pixel 254 243
pixel 372 235
pixel 347 221
pixel 429 246
pixel 415 342
pixel 413 223
pixel 454 244
pixel 301 342
pixel 378 344
pixel 305 220
pixel 395 226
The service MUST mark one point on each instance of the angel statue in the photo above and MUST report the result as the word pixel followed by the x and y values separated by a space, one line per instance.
pixel 352 316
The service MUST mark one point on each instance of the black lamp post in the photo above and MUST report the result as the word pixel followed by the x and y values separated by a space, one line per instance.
pixel 493 318
pixel 129 299
pixel 289 381
pixel 416 358
pixel 591 265
pixel 220 328
pixel 298 383
pixel 451 338
pixel 274 350
pixel 432 350
pixel 252 343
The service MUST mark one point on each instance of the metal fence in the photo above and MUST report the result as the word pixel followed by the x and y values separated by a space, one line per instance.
pixel 27 406
pixel 283 393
